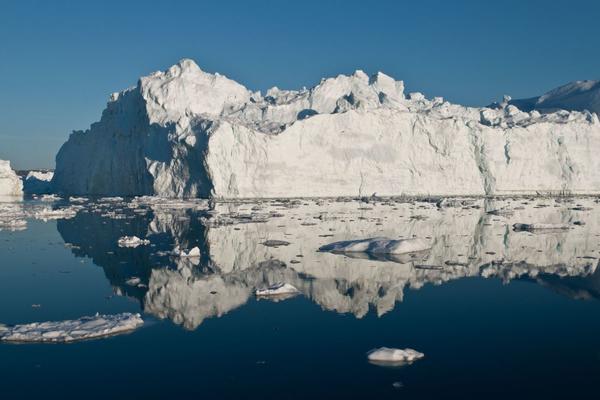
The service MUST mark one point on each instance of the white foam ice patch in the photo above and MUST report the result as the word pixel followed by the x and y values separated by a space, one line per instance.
pixel 132 241
pixel 392 355
pixel 280 289
pixel 93 327
pixel 378 246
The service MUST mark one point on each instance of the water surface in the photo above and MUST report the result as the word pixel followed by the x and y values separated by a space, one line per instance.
pixel 497 312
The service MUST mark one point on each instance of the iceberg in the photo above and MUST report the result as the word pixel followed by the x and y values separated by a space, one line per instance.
pixel 83 328
pixel 390 355
pixel 38 182
pixel 10 183
pixel 185 133
pixel 574 96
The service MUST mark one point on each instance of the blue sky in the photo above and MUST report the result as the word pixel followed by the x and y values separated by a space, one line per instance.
pixel 60 60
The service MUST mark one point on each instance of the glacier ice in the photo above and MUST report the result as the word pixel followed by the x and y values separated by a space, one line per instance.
pixel 10 183
pixel 188 133
pixel 93 327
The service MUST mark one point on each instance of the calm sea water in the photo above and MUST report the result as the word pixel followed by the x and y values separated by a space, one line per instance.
pixel 497 312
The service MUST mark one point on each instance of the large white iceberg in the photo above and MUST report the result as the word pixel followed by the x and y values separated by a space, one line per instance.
pixel 10 183
pixel 188 133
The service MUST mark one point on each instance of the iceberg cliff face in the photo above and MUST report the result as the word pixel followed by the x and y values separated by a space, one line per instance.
pixel 188 133
pixel 10 183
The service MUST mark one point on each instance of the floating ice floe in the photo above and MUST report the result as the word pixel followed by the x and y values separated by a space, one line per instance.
pixel 391 356
pixel 132 241
pixel 280 289
pixel 71 330
pixel 378 246
pixel 540 227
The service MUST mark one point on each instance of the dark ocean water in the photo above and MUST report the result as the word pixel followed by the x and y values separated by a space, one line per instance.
pixel 530 329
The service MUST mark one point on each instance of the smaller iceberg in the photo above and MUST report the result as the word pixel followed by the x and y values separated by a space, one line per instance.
pixel 386 356
pixel 38 182
pixel 83 328
pixel 378 246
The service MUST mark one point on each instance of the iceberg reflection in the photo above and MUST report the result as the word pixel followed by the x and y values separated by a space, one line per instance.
pixel 469 238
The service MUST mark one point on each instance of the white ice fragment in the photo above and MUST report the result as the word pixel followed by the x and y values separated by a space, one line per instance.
pixel 194 252
pixel 277 290
pixel 133 281
pixel 132 241
pixel 71 330
pixel 378 246
pixel 392 355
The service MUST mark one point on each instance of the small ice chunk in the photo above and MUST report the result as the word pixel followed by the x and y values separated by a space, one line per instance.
pixel 132 241
pixel 391 355
pixel 378 246
pixel 194 252
pixel 279 289
pixel 134 281
pixel 71 330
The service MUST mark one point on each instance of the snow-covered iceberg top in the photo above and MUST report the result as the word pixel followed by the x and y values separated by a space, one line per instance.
pixel 185 132
pixel 83 328
pixel 10 183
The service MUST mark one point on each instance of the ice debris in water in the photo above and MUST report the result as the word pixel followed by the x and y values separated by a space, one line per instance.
pixel 83 328
pixel 378 246
pixel 132 241
pixel 391 355
pixel 540 227
pixel 194 252
pixel 277 290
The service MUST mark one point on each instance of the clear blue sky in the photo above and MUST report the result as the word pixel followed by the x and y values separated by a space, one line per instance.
pixel 60 60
